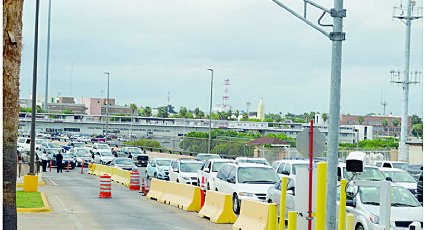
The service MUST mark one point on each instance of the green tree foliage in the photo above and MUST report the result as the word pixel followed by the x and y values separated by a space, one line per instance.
pixel 144 142
pixel 183 111
pixel 201 114
pixel 189 116
pixel 147 112
pixel 415 119
pixel 162 112
pixel 27 110
pixel 237 114
pixel 360 119
pixel 417 130
pixel 395 121
pixel 384 123
pixel 325 117
pixel 121 116
pixel 67 111
pixel 196 112
pixel 39 109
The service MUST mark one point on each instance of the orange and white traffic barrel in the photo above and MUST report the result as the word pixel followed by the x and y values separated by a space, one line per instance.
pixel 105 186
pixel 134 181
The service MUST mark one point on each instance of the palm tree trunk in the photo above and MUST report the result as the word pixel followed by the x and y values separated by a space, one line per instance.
pixel 12 47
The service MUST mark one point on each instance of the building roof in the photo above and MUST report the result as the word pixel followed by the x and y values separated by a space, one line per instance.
pixel 267 140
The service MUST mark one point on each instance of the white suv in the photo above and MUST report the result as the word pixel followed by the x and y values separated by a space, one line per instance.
pixel 245 181
pixel 185 171
pixel 289 167
pixel 209 171
pixel 102 153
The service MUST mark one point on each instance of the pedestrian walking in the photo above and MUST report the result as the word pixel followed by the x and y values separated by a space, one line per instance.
pixel 144 151
pixel 44 159
pixel 59 159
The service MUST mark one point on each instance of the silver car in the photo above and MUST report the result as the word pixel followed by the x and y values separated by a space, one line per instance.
pixel 364 205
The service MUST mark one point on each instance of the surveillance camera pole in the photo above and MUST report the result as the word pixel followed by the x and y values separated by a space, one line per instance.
pixel 337 36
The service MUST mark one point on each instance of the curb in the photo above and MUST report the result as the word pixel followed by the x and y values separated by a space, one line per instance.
pixel 39 184
pixel 44 209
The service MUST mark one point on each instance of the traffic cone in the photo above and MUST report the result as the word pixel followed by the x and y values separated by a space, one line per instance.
pixel 143 186
pixel 67 167
pixel 134 181
pixel 147 188
pixel 105 186
pixel 202 192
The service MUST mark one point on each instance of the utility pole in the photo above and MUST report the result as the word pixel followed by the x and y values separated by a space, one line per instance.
pixel 47 61
pixel 336 36
pixel 403 154
pixel 107 108
pixel 209 136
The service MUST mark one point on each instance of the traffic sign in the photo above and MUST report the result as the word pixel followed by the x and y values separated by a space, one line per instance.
pixel 303 142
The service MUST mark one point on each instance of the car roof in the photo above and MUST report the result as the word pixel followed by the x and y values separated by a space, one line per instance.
pixel 158 158
pixel 250 158
pixel 392 169
pixel 250 165
pixel 185 160
pixel 295 161
pixel 220 160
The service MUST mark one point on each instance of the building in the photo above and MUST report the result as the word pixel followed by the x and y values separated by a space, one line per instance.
pixel 40 99
pixel 261 110
pixel 376 122
pixel 116 109
pixel 69 100
pixel 61 107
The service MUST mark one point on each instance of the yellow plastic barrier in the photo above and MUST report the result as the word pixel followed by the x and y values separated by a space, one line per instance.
pixel 172 194
pixel 254 215
pixel 157 189
pixel 190 198
pixel 342 204
pixel 107 170
pixel 292 220
pixel 219 208
pixel 92 167
pixel 350 222
pixel 321 195
pixel 97 170
pixel 117 175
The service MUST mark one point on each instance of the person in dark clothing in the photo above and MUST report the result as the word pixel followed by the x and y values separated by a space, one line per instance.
pixel 59 159
pixel 114 153
pixel 130 156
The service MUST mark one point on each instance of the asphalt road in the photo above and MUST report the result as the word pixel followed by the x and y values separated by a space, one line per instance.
pixel 74 198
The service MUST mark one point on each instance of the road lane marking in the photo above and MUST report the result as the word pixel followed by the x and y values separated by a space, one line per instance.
pixel 70 215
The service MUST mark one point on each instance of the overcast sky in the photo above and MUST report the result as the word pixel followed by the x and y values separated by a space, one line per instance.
pixel 151 48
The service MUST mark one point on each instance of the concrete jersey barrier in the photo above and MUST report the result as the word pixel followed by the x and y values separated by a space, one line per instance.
pixel 190 198
pixel 218 207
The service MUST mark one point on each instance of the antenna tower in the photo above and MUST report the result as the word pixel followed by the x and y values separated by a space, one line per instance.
pixel 406 14
pixel 168 105
pixel 226 94
pixel 248 103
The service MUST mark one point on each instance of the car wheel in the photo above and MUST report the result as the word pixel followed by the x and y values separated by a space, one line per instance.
pixel 236 204
pixel 154 175
pixel 197 183
pixel 208 186
pixel 359 227
pixel 177 181
pixel 269 201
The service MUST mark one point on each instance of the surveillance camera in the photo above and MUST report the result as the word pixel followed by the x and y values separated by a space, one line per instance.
pixel 355 162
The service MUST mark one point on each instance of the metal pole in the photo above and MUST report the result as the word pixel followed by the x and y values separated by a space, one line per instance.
pixel 310 175
pixel 34 91
pixel 48 56
pixel 403 156
pixel 107 107
pixel 334 112
pixel 209 136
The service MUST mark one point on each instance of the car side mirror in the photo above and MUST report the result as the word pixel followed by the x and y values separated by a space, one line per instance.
pixel 207 170
pixel 388 179
pixel 350 202
pixel 231 180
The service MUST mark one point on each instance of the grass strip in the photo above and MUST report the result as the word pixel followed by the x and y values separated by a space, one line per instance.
pixel 29 200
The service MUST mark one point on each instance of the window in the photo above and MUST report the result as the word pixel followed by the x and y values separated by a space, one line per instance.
pixel 281 168
pixel 232 175
pixel 223 172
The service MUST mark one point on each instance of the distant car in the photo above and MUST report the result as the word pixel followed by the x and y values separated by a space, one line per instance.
pixel 245 181
pixel 139 157
pixel 209 171
pixel 103 158
pixel 391 164
pixel 74 145
pixel 205 156
pixel 51 145
pixel 184 171
pixel 158 168
pixel 369 173
pixel 402 178
pixel 66 158
pixel 81 156
pixel 289 167
pixel 256 160
pixel 123 163
pixel 363 203
pixel 274 192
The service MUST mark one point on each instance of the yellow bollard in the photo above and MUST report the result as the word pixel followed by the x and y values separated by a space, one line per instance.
pixel 350 222
pixel 272 221
pixel 292 220
pixel 321 196
pixel 283 204
pixel 30 183
pixel 342 204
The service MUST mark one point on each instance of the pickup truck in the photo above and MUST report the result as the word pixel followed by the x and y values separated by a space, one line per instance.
pixel 138 156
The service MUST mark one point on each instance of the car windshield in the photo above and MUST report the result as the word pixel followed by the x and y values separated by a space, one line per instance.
pixel 51 151
pixel 216 166
pixel 135 150
pixel 79 145
pixel 54 145
pixel 103 147
pixel 106 154
pixel 400 197
pixel 368 174
pixel 66 156
pixel 257 175
pixel 295 167
pixel 399 165
pixel 83 153
pixel 163 162
pixel 255 161
pixel 190 167
pixel 207 157
pixel 400 176
pixel 124 161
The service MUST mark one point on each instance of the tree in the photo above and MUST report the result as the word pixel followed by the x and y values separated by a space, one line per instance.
pixel 12 47
pixel 325 117
pixel 277 118
pixel 162 112
pixel 189 116
pixel 147 112
pixel 396 121
pixel 229 114
pixel 237 114
pixel 39 109
pixel 183 111
pixel 306 117
pixel 360 119
pixel 384 123
pixel 201 114
pixel 67 111
pixel 415 119
pixel 417 130
pixel 196 112
pixel 245 116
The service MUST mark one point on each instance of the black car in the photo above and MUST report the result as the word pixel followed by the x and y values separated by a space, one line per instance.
pixel 66 158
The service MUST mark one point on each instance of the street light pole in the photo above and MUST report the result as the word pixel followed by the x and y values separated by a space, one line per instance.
pixel 107 108
pixel 209 136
